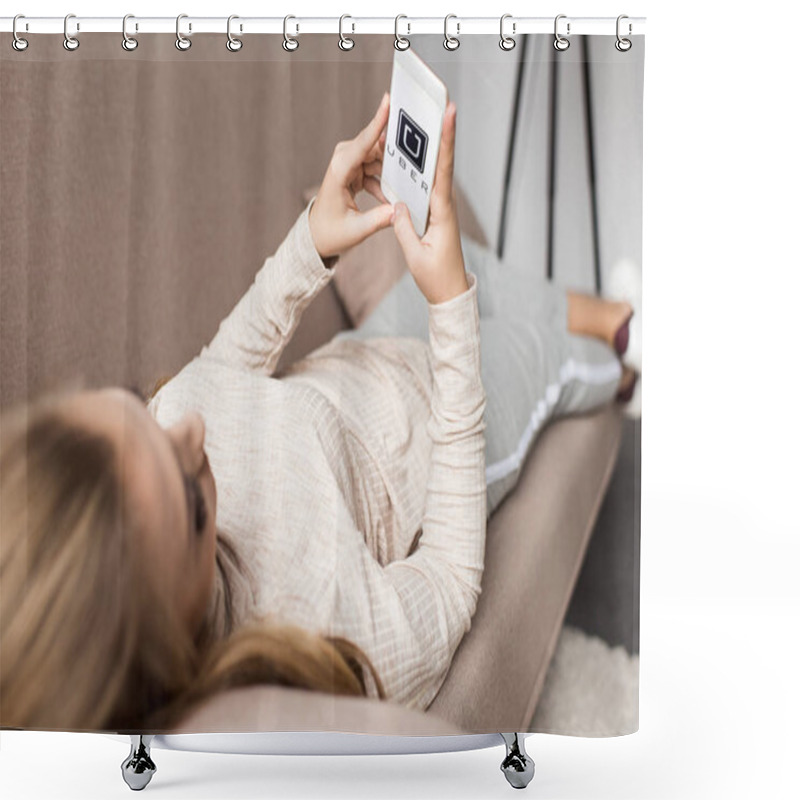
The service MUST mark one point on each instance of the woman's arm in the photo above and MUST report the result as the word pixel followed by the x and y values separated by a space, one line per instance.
pixel 410 615
pixel 256 331
pixel 451 548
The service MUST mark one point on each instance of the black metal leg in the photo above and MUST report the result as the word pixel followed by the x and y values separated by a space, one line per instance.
pixel 138 768
pixel 517 766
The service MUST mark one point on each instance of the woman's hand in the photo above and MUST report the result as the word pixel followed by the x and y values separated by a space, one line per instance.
pixel 335 220
pixel 436 261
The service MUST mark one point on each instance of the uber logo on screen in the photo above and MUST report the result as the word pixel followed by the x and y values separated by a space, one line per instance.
pixel 412 140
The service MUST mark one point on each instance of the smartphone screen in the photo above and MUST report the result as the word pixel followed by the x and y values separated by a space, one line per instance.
pixel 417 105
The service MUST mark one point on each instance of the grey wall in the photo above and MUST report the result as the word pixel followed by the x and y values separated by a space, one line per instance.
pixel 482 80
pixel 528 214
pixel 617 84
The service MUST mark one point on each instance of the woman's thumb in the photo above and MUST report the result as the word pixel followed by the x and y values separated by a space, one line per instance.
pixel 404 231
pixel 374 220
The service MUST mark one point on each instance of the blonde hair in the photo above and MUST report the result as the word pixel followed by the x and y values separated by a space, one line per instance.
pixel 85 641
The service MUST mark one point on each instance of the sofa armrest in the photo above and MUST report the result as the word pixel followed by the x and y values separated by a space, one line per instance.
pixel 535 544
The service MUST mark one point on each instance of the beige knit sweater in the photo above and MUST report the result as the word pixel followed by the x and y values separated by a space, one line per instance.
pixel 325 475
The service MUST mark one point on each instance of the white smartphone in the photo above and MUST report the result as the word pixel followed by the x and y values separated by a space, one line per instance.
pixel 418 100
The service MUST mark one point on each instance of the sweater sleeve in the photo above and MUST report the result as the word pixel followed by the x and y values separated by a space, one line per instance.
pixel 415 611
pixel 255 332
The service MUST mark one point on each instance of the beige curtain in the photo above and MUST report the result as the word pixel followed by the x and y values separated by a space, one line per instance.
pixel 141 191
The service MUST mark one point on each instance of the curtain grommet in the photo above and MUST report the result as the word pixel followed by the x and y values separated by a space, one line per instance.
pixel 17 42
pixel 507 42
pixel 401 42
pixel 181 41
pixel 290 43
pixel 129 43
pixel 70 42
pixel 451 42
pixel 561 43
pixel 623 44
pixel 345 42
pixel 233 44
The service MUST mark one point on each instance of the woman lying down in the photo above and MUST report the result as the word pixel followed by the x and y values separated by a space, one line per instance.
pixel 323 529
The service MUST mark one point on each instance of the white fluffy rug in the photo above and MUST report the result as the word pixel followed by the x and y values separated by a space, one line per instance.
pixel 591 689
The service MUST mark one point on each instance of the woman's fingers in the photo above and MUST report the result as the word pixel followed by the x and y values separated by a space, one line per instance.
pixel 370 135
pixel 348 156
pixel 443 180
pixel 373 186
pixel 365 223
pixel 373 168
pixel 376 154
pixel 406 235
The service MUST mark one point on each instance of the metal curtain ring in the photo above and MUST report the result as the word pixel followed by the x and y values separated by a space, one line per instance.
pixel 18 43
pixel 70 42
pixel 622 44
pixel 560 43
pixel 451 42
pixel 507 42
pixel 181 42
pixel 345 43
pixel 233 44
pixel 400 42
pixel 128 42
pixel 290 43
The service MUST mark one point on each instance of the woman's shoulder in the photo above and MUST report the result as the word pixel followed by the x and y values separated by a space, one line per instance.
pixel 206 383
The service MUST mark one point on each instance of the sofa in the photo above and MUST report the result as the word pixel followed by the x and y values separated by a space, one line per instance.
pixel 535 543
pixel 140 215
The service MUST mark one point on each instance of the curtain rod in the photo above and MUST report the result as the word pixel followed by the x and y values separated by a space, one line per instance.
pixel 295 26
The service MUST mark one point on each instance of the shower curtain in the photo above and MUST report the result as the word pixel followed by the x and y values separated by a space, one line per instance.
pixel 156 200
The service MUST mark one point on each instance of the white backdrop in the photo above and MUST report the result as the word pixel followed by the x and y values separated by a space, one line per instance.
pixel 720 533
